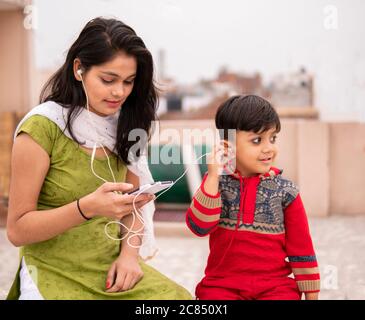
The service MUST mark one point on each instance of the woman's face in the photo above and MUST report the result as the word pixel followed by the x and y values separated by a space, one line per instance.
pixel 108 85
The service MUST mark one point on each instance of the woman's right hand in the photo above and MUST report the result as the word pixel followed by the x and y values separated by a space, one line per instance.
pixel 110 201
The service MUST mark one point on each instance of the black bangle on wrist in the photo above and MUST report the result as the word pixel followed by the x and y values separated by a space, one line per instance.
pixel 78 207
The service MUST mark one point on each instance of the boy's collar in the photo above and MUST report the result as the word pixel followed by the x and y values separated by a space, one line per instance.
pixel 273 172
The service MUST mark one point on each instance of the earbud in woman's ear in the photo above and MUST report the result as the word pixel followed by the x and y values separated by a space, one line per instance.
pixel 79 71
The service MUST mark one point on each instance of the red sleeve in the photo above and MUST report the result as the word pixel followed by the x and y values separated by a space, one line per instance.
pixel 203 215
pixel 299 247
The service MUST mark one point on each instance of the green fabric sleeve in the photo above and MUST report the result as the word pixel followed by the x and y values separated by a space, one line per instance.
pixel 42 130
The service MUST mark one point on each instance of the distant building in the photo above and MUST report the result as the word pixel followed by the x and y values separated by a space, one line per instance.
pixel 201 100
pixel 174 102
pixel 242 83
pixel 184 98
pixel 208 111
pixel 292 90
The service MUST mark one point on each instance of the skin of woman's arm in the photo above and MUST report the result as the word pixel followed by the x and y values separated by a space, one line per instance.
pixel 25 225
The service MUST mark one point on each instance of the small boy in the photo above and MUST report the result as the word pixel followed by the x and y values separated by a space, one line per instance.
pixel 255 218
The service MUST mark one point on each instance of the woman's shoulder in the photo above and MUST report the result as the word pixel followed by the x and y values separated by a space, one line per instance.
pixel 40 127
pixel 45 116
pixel 37 122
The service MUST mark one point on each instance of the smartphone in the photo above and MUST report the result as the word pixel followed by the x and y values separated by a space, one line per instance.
pixel 152 188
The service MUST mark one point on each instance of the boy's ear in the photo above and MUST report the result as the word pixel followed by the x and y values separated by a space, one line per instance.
pixel 227 145
pixel 228 135
pixel 224 143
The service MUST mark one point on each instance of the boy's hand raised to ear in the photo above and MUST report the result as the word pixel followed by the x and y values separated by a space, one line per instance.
pixel 219 157
pixel 216 160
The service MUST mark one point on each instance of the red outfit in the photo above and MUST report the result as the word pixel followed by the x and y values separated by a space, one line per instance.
pixel 254 224
pixel 254 289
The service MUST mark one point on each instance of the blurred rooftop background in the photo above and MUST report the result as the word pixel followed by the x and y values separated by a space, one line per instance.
pixel 306 57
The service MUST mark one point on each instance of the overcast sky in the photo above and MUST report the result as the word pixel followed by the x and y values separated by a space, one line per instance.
pixel 199 37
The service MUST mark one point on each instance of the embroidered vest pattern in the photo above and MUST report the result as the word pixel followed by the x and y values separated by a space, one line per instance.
pixel 273 195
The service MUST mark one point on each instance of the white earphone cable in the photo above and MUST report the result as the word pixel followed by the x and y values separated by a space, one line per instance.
pixel 96 138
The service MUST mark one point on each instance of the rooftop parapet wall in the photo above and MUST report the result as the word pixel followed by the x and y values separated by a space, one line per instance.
pixel 326 160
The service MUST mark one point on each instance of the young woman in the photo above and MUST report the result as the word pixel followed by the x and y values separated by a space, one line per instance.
pixel 66 152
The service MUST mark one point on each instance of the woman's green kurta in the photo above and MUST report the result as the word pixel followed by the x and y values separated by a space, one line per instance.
pixel 74 265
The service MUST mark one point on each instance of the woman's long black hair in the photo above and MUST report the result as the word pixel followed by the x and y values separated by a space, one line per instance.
pixel 99 41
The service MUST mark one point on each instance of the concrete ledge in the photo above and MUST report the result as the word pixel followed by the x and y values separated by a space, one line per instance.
pixel 298 112
pixel 172 229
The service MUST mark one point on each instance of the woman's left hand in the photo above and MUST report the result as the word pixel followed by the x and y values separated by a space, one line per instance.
pixel 124 273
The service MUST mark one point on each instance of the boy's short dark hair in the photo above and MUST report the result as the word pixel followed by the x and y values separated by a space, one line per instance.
pixel 248 113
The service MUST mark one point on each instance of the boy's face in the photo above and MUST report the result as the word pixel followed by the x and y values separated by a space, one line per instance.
pixel 255 152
